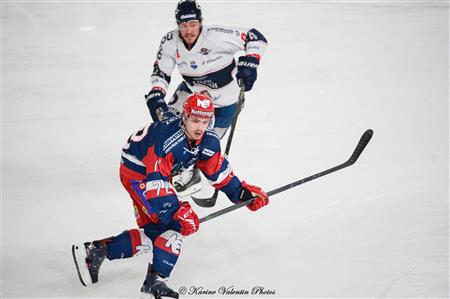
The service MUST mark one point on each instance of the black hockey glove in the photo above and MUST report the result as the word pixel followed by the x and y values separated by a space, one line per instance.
pixel 246 71
pixel 156 104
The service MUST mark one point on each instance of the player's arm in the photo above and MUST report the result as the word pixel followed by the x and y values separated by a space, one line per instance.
pixel 161 196
pixel 143 155
pixel 251 41
pixel 219 173
pixel 162 70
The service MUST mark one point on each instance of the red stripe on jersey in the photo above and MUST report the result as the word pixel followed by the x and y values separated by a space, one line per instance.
pixel 160 243
pixel 154 163
pixel 136 241
pixel 212 165
pixel 125 171
pixel 165 167
pixel 224 182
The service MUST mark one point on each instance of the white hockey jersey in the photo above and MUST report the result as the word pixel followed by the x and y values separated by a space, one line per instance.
pixel 210 65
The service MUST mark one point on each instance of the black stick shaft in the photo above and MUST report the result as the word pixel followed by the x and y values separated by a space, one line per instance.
pixel 365 138
pixel 233 127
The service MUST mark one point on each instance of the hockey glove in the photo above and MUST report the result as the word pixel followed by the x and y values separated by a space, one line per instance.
pixel 156 105
pixel 246 71
pixel 187 219
pixel 249 191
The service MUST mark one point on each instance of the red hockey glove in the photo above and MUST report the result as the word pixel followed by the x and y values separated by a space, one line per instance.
pixel 187 219
pixel 250 191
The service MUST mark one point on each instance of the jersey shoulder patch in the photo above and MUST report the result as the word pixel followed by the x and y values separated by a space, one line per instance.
pixel 210 144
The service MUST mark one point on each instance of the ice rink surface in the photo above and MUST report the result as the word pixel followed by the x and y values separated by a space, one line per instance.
pixel 73 79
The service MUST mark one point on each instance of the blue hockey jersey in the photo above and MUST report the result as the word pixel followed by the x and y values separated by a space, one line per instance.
pixel 154 152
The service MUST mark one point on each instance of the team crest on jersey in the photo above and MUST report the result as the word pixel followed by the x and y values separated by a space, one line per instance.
pixel 204 51
pixel 194 65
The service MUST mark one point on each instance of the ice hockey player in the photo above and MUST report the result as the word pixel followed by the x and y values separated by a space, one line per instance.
pixel 205 59
pixel 148 159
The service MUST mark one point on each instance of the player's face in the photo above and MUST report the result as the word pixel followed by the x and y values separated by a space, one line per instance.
pixel 195 127
pixel 190 31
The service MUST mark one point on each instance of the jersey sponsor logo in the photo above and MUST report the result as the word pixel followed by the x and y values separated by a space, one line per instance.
pixel 222 30
pixel 201 113
pixel 211 60
pixel 194 65
pixel 207 82
pixel 203 103
pixel 175 138
pixel 208 152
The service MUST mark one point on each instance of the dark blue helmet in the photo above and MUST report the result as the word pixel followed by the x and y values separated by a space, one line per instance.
pixel 188 10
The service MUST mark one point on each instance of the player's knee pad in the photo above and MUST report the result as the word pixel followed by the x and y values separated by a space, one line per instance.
pixel 179 96
pixel 166 251
pixel 129 243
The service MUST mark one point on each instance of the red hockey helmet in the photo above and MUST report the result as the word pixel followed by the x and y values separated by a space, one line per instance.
pixel 199 105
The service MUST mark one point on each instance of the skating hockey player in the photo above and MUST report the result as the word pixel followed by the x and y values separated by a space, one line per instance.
pixel 148 159
pixel 205 59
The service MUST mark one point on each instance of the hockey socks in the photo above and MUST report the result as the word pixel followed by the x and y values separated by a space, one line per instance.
pixel 166 248
pixel 129 243
pixel 166 252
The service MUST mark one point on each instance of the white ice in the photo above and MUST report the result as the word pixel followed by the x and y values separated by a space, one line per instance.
pixel 73 79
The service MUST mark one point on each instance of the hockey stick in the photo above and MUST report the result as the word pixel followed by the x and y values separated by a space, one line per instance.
pixel 365 138
pixel 209 202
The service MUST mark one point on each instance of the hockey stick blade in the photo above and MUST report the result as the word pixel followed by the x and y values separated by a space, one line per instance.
pixel 364 140
pixel 207 202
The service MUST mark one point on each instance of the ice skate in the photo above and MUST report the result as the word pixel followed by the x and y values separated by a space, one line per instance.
pixel 88 258
pixel 156 286
pixel 187 182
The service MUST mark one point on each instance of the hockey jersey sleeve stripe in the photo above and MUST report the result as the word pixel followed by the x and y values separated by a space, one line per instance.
pixel 132 159
pixel 217 170
pixel 135 238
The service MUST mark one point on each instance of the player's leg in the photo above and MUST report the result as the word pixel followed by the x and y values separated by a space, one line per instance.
pixel 223 119
pixel 166 250
pixel 89 256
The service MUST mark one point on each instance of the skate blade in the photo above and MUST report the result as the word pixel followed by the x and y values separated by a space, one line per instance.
pixel 79 257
